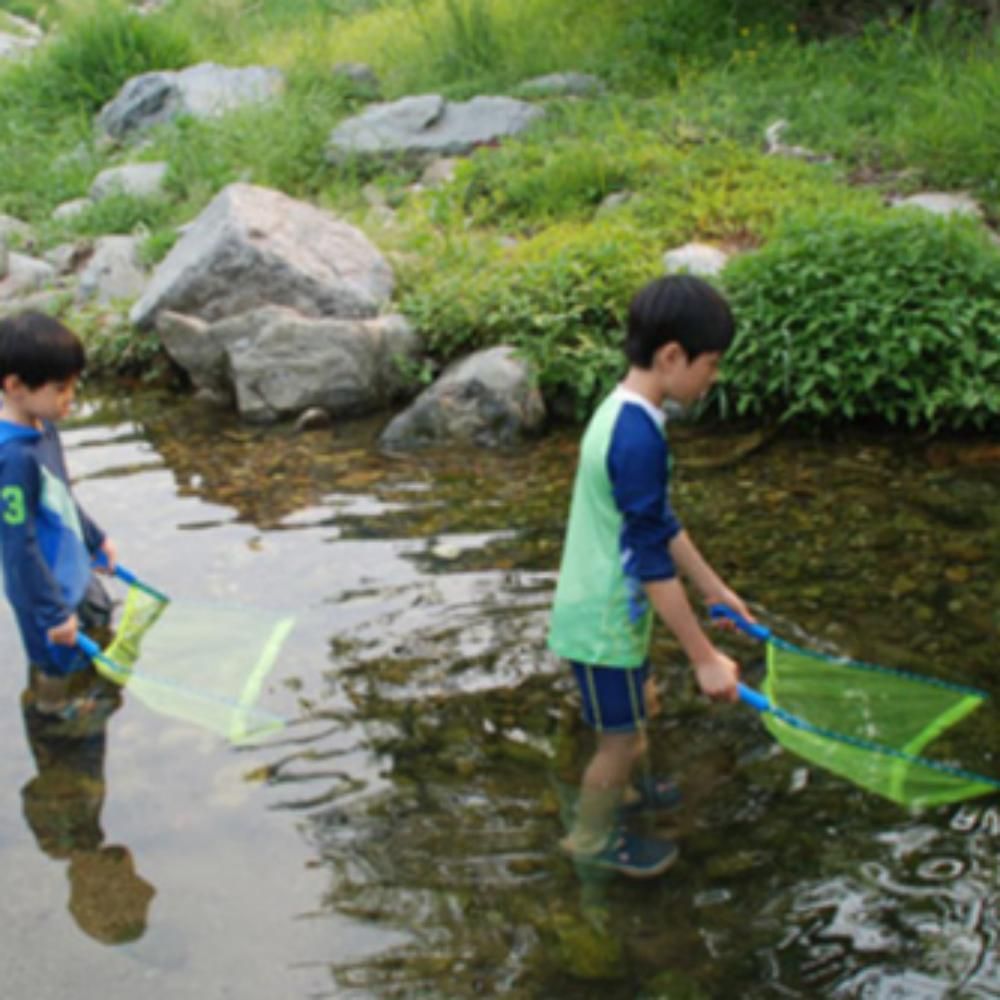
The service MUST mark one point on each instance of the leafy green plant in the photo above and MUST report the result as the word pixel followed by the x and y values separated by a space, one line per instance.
pixel 893 317
pixel 99 47
pixel 121 213
pixel 558 297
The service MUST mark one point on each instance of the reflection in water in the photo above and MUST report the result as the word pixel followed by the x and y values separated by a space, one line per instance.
pixel 62 805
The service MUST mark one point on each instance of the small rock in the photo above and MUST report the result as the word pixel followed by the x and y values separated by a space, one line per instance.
pixel 359 77
pixel 941 203
pixel 613 202
pixel 439 172
pixel 71 209
pixel 695 258
pixel 562 85
pixel 140 180
pixel 313 419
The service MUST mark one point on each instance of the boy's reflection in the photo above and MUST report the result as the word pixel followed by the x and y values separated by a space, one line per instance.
pixel 62 805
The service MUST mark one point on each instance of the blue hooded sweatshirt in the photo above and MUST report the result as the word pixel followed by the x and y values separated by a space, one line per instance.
pixel 46 540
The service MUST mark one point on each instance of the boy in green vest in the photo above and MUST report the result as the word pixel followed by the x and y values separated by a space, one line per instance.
pixel 623 556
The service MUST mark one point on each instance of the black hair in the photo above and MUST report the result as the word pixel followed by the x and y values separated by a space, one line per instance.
pixel 39 349
pixel 677 308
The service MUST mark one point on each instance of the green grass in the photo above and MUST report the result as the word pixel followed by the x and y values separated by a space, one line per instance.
pixel 518 247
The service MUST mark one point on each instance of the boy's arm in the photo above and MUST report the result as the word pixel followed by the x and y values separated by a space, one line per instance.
pixel 93 537
pixel 637 470
pixel 716 673
pixel 30 582
pixel 697 569
pixel 96 541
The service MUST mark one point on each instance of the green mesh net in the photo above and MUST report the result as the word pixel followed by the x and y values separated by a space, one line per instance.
pixel 870 724
pixel 205 664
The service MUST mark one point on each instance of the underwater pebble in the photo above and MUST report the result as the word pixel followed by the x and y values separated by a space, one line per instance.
pixel 800 778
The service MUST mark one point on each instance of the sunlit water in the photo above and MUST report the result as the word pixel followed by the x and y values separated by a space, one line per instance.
pixel 398 838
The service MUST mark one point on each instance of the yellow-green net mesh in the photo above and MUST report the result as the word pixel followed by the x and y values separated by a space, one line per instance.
pixel 205 664
pixel 870 724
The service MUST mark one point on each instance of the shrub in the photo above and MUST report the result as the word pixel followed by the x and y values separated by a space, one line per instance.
pixel 893 317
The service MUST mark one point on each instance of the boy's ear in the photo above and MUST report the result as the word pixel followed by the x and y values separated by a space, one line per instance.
pixel 10 383
pixel 669 354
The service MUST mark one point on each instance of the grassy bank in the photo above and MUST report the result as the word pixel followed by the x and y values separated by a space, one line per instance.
pixel 518 248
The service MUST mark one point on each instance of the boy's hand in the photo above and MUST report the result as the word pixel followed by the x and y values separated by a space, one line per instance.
pixel 723 595
pixel 718 676
pixel 65 634
pixel 110 551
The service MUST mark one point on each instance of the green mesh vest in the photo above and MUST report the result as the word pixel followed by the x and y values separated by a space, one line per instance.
pixel 590 614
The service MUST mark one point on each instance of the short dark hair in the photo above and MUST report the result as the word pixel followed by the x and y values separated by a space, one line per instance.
pixel 677 308
pixel 39 349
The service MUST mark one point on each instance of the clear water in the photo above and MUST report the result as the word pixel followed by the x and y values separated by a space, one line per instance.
pixel 398 838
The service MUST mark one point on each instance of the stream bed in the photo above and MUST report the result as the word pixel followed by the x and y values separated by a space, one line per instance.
pixel 398 838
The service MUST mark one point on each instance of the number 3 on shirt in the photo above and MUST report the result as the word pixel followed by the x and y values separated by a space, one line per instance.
pixel 13 499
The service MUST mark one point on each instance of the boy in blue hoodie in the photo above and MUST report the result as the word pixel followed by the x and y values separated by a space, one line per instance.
pixel 48 543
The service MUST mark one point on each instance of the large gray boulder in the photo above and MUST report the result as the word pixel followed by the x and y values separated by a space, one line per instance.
pixel 490 398
pixel 278 363
pixel 427 125
pixel 206 90
pixel 252 247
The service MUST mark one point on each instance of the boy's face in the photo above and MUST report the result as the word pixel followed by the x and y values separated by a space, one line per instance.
pixel 687 381
pixel 50 401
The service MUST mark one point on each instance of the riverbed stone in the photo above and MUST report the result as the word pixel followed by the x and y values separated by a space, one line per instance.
pixel 137 180
pixel 206 90
pixel 253 247
pixel 490 398
pixel 426 125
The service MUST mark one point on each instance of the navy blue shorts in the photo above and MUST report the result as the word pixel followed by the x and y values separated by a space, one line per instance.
pixel 612 696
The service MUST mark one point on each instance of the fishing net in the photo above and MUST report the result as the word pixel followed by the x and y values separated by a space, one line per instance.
pixel 205 664
pixel 870 724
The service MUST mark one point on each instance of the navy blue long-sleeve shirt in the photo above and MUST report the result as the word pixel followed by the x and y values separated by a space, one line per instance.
pixel 46 540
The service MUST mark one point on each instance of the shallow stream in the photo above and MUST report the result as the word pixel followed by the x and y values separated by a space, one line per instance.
pixel 398 837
